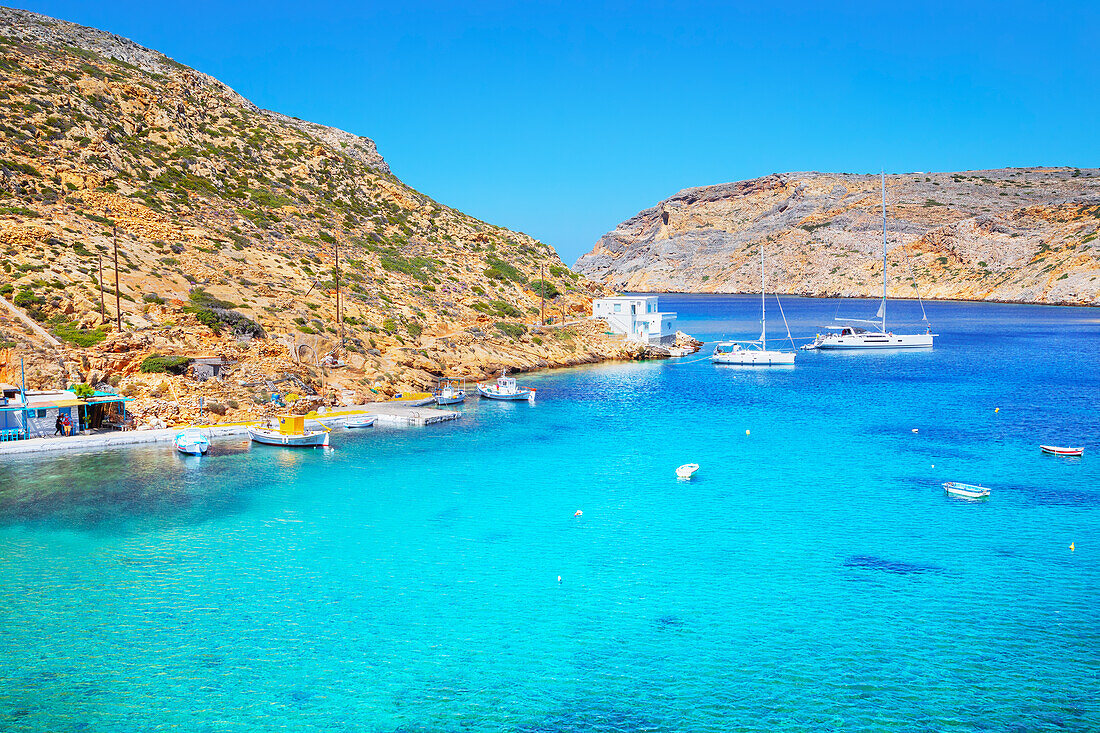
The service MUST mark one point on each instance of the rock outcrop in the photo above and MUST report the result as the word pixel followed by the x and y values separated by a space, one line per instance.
pixel 1021 234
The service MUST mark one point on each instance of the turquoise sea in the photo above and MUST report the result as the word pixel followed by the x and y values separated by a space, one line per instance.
pixel 814 576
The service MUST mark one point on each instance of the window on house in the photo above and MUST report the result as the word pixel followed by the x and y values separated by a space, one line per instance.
pixel 40 413
pixel 618 308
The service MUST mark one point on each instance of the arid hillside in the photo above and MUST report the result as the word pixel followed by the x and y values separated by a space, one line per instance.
pixel 1022 234
pixel 228 220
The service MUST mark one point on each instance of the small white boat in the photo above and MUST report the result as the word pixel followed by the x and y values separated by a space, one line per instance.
pixel 360 421
pixel 450 394
pixel 192 442
pixel 506 389
pixel 731 352
pixel 678 351
pixel 967 491
pixel 687 470
pixel 1056 450
pixel 291 433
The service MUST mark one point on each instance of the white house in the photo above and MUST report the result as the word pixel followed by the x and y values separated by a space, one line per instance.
pixel 637 317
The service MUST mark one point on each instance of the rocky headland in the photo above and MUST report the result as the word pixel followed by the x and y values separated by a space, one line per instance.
pixel 1023 235
pixel 227 220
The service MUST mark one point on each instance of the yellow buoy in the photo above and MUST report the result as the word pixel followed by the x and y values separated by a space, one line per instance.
pixel 933 465
pixel 746 432
pixel 1071 547
pixel 996 409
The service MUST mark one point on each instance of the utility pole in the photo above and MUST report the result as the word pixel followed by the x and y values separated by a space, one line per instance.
pixel 118 297
pixel 102 309
pixel 339 314
pixel 542 291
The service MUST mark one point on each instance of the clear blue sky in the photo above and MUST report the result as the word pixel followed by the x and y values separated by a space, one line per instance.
pixel 563 119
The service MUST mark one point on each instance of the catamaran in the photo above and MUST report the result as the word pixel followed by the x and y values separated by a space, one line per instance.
pixel 876 337
pixel 755 353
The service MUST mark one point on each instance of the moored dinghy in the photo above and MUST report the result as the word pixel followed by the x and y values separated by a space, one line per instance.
pixel 1057 450
pixel 192 442
pixel 360 421
pixel 687 470
pixel 506 389
pixel 291 433
pixel 967 491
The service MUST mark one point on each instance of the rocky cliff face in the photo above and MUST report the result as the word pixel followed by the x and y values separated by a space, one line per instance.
pixel 1027 235
pixel 228 218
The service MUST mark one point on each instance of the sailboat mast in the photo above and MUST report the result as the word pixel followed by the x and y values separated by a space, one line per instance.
pixel 884 251
pixel 763 309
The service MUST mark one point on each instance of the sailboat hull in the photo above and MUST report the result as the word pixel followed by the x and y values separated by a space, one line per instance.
pixel 875 341
pixel 755 357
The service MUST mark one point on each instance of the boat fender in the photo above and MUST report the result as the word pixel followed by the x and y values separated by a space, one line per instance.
pixel 578 513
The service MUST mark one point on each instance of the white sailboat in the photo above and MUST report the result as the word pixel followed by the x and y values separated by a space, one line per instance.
pixel 877 337
pixel 755 353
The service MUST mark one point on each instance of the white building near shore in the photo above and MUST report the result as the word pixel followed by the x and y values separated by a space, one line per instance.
pixel 637 317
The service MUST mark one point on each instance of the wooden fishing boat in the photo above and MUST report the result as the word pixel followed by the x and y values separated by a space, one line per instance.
pixel 967 491
pixel 506 389
pixel 290 432
pixel 360 421
pixel 1057 450
pixel 687 470
pixel 449 393
pixel 192 442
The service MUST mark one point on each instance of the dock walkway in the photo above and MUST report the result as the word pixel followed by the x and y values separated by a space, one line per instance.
pixel 403 413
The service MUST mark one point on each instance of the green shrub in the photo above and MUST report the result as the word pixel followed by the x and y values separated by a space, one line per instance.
pixel 501 270
pixel 544 288
pixel 157 364
pixel 511 330
pixel 82 390
pixel 72 333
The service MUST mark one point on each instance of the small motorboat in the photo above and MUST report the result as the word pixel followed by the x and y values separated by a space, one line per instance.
pixel 967 491
pixel 506 389
pixel 449 393
pixel 687 470
pixel 360 421
pixel 1057 450
pixel 291 433
pixel 192 442
pixel 678 351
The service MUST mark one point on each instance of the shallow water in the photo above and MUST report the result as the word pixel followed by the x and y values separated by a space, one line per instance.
pixel 813 575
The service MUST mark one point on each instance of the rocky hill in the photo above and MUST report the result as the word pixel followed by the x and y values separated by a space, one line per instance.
pixel 227 220
pixel 1021 234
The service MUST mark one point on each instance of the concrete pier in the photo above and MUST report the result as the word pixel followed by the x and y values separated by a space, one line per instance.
pixel 403 413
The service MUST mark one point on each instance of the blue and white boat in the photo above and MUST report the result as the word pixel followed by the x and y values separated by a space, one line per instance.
pixel 506 389
pixel 967 491
pixel 192 442
pixel 449 393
